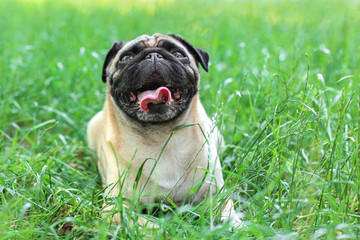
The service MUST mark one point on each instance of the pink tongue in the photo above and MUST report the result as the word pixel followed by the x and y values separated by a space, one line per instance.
pixel 160 95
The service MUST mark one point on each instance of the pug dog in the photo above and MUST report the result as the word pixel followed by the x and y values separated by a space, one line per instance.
pixel 153 132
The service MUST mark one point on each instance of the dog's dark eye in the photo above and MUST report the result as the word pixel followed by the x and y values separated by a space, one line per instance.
pixel 126 58
pixel 179 55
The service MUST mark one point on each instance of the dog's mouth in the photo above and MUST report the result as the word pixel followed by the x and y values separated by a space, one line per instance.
pixel 157 97
pixel 157 103
pixel 152 99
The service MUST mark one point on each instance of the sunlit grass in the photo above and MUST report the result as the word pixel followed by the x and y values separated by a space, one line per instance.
pixel 122 7
pixel 283 79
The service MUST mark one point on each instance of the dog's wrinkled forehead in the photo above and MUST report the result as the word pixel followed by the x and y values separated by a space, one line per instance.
pixel 156 40
pixel 149 41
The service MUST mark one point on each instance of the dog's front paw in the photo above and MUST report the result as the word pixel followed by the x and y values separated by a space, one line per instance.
pixel 143 222
pixel 115 218
pixel 235 222
pixel 232 218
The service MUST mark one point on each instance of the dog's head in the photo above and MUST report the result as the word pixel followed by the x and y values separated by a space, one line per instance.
pixel 153 78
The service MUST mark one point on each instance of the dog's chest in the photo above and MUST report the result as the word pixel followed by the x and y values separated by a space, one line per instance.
pixel 174 167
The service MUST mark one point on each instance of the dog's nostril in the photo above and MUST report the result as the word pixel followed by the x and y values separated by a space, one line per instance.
pixel 154 56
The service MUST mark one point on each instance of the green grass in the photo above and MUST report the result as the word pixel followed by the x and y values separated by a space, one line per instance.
pixel 284 81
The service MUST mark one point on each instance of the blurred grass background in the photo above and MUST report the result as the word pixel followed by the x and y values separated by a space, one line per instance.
pixel 284 79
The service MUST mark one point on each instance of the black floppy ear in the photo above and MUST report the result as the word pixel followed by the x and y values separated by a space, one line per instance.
pixel 200 55
pixel 109 56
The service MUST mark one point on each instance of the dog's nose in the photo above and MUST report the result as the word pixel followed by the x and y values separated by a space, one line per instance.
pixel 154 56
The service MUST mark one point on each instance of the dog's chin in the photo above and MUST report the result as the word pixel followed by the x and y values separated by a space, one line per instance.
pixel 159 113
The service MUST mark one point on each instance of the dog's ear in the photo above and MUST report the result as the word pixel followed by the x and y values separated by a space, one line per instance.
pixel 200 55
pixel 109 56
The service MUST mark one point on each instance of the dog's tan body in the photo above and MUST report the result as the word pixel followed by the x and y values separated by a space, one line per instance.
pixel 176 161
pixel 119 148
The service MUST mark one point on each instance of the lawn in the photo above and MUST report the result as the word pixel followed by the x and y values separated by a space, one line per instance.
pixel 283 83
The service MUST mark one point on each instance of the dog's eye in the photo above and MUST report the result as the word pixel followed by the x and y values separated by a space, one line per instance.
pixel 126 58
pixel 178 55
